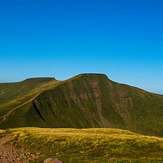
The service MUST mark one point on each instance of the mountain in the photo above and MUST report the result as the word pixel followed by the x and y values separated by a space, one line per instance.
pixel 84 101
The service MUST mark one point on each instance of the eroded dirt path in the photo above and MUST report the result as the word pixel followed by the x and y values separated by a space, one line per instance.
pixel 8 153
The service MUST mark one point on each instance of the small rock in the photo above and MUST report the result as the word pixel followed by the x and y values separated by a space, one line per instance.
pixel 52 160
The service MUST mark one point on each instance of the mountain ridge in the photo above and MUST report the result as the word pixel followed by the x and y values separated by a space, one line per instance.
pixel 86 101
pixel 46 79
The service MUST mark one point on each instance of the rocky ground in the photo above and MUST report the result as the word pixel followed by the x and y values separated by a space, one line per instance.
pixel 9 154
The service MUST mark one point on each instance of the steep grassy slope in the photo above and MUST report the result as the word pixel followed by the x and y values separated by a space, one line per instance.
pixel 16 95
pixel 12 91
pixel 90 100
pixel 85 145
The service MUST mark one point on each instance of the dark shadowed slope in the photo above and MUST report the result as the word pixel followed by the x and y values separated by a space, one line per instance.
pixel 85 101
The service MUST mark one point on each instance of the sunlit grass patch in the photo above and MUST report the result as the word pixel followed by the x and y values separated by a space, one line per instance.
pixel 88 144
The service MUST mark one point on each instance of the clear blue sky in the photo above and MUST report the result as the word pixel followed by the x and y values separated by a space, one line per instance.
pixel 61 38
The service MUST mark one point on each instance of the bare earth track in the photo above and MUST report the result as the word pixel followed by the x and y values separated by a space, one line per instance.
pixel 8 153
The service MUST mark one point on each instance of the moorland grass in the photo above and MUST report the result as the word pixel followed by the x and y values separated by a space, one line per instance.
pixel 89 145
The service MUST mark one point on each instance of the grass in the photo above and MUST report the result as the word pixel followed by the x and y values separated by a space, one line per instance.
pixel 17 95
pixel 89 145
pixel 14 94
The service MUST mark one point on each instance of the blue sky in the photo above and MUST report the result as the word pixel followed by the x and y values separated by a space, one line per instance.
pixel 62 38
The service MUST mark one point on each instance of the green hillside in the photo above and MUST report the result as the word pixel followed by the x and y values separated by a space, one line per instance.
pixel 84 101
pixel 15 94
pixel 82 145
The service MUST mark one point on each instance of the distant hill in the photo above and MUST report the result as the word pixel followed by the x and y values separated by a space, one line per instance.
pixel 84 101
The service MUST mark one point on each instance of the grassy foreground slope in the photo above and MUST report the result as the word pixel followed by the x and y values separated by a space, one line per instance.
pixel 86 145
pixel 84 101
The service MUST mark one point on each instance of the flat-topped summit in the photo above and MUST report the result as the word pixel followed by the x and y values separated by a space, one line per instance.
pixel 39 79
pixel 94 76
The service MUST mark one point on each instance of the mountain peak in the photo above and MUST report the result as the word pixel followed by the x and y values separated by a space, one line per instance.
pixel 92 75
pixel 39 79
